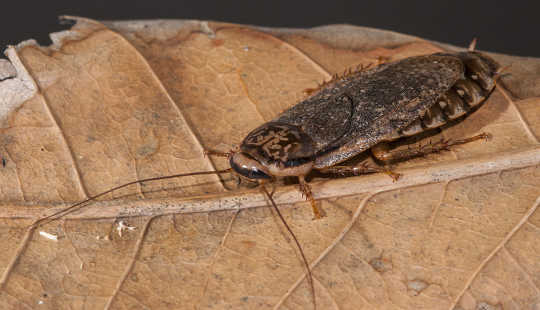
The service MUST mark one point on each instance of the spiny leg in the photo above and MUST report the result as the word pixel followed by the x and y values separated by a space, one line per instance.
pixel 383 152
pixel 364 168
pixel 382 60
pixel 306 190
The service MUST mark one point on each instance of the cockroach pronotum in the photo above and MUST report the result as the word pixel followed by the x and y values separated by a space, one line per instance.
pixel 351 114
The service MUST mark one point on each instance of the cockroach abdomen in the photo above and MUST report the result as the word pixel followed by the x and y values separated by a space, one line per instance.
pixel 465 95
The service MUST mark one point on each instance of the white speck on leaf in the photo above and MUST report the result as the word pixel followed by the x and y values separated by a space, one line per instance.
pixel 416 287
pixel 123 226
pixel 48 235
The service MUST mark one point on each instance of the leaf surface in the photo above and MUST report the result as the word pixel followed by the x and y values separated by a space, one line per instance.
pixel 112 102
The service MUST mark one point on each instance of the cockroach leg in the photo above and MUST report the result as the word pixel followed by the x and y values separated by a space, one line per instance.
pixel 383 153
pixel 394 175
pixel 364 168
pixel 382 59
pixel 310 91
pixel 306 191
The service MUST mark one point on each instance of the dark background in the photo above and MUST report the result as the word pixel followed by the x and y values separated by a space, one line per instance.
pixel 511 27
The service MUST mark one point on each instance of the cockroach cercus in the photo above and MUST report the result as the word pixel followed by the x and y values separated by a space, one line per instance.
pixel 359 111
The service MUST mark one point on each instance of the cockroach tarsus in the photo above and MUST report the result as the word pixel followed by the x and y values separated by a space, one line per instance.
pixel 362 110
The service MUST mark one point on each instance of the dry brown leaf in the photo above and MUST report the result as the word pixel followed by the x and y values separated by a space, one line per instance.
pixel 110 103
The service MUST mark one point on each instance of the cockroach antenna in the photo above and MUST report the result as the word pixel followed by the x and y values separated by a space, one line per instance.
pixel 59 214
pixel 304 259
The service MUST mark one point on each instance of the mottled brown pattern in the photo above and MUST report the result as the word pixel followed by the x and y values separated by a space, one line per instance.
pixel 393 100
pixel 279 144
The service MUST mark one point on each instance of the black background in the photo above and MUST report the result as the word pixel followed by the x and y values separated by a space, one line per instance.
pixel 511 27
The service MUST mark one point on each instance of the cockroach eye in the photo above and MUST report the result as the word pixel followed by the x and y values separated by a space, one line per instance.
pixel 246 166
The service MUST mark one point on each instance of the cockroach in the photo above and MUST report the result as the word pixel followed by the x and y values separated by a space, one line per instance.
pixel 359 111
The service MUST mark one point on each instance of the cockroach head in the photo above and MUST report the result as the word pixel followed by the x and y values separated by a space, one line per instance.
pixel 274 149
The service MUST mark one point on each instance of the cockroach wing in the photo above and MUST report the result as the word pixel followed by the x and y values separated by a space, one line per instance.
pixel 364 108
pixel 325 118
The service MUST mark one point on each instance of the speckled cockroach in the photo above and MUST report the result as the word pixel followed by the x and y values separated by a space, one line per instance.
pixel 365 110
pixel 359 111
